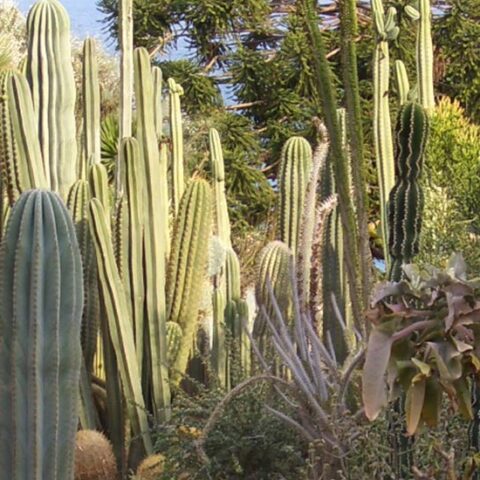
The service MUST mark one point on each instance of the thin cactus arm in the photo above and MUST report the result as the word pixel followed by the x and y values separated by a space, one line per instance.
pixel 403 84
pixel 425 57
pixel 119 323
pixel 91 105
pixel 31 170
pixel 177 167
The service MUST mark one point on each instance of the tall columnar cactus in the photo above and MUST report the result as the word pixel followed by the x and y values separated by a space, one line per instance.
pixel 51 79
pixel 403 85
pixel 425 57
pixel 386 30
pixel 9 160
pixel 295 168
pixel 274 270
pixel 158 100
pixel 28 163
pixel 187 266
pixel 119 322
pixel 406 197
pixel 78 202
pixel 177 167
pixel 40 355
pixel 133 238
pixel 91 105
pixel 154 233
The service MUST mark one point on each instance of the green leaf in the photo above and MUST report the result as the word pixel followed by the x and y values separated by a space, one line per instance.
pixel 448 360
pixel 432 402
pixel 463 398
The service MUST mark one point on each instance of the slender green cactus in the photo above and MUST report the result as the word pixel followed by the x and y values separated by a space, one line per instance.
pixel 98 180
pixel 178 180
pixel 41 308
pixel 222 221
pixel 158 100
pixel 78 201
pixel 154 234
pixel 386 30
pixel 174 337
pixel 308 221
pixel 325 88
pixel 425 57
pixel 133 239
pixel 30 169
pixel 403 85
pixel 119 322
pixel 295 168
pixel 187 266
pixel 406 197
pixel 91 105
pixel 9 161
pixel 52 82
pixel 274 269
pixel 405 221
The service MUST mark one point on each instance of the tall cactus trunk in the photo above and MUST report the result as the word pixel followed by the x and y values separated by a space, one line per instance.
pixel 154 245
pixel 405 221
pixel 354 135
pixel 41 308
pixel 425 57
pixel 382 127
pixel 326 92
pixel 187 267
pixel 52 83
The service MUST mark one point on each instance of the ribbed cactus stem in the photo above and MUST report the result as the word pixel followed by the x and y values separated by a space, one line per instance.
pixel 78 202
pixel 222 221
pixel 133 238
pixel 274 269
pixel 119 322
pixel 51 79
pixel 188 264
pixel 126 67
pixel 425 57
pixel 174 337
pixel 91 104
pixel 154 234
pixel 178 180
pixel 40 355
pixel 403 85
pixel 295 168
pixel 30 168
pixel 406 198
pixel 385 29
pixel 158 100
pixel 309 220
pixel 9 161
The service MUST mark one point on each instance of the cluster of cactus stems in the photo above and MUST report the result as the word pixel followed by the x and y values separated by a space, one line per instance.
pixel 142 287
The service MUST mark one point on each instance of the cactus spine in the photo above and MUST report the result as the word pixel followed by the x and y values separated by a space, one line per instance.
pixel 41 308
pixel 386 30
pixel 154 246
pixel 425 57
pixel 187 266
pixel 52 82
pixel 406 197
pixel 178 181
pixel 295 168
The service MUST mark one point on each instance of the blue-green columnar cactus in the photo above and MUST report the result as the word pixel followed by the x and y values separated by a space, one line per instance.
pixel 41 301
